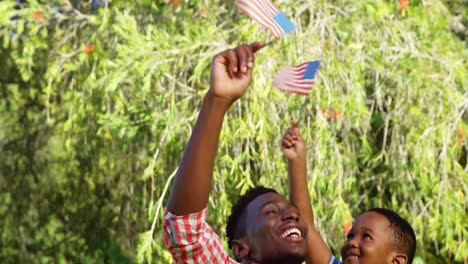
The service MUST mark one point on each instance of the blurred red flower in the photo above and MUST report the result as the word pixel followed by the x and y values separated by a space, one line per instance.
pixel 324 111
pixel 404 5
pixel 347 227
pixel 331 114
pixel 174 2
pixel 334 114
pixel 37 15
pixel 88 48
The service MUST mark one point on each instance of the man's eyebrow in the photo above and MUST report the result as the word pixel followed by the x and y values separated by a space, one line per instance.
pixel 273 202
pixel 268 203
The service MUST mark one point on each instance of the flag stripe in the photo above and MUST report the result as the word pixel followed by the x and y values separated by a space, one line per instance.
pixel 268 8
pixel 257 14
pixel 297 79
pixel 267 15
pixel 306 84
pixel 298 89
pixel 246 10
pixel 294 92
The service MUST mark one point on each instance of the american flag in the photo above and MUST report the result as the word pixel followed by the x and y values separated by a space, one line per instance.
pixel 297 79
pixel 268 15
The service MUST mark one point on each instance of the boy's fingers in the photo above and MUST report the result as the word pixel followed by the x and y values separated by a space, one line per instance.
pixel 289 137
pixel 293 123
pixel 295 128
pixel 287 143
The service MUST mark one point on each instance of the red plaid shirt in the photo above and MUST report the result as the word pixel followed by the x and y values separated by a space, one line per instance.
pixel 190 239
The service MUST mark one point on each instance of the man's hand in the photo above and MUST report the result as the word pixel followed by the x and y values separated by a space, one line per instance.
pixel 192 184
pixel 231 72
pixel 292 144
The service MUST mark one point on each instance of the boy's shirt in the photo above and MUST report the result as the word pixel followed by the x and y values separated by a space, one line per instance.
pixel 190 239
pixel 334 260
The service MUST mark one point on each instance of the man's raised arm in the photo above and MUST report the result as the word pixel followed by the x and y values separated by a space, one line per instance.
pixel 231 72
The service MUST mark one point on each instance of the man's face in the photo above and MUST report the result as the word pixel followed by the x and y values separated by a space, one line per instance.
pixel 274 231
pixel 369 241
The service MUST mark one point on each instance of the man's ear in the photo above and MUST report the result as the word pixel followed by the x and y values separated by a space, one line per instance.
pixel 398 258
pixel 240 248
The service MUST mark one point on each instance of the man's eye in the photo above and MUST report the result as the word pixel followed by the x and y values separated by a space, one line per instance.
pixel 271 210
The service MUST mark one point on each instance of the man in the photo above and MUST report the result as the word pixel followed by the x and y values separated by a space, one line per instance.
pixel 265 227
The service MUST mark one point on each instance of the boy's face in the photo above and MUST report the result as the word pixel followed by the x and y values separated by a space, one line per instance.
pixel 274 232
pixel 369 241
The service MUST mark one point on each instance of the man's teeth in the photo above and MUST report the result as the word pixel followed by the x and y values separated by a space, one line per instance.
pixel 294 232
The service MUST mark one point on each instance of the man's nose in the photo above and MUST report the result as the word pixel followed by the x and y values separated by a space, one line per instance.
pixel 290 214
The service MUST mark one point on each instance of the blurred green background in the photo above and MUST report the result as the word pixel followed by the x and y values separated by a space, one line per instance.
pixel 97 100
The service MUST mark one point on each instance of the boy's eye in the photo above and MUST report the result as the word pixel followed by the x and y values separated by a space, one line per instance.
pixel 366 236
pixel 349 236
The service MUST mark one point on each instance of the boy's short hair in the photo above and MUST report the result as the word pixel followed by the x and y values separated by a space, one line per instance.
pixel 404 239
pixel 235 226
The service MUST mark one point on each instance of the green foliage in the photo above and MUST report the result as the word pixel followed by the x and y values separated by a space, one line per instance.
pixel 90 136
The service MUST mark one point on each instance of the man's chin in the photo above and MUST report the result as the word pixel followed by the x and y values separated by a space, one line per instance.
pixel 296 250
pixel 291 257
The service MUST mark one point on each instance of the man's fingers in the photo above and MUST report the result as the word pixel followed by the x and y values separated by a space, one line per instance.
pixel 232 62
pixel 243 54
pixel 240 60
pixel 250 56
pixel 255 46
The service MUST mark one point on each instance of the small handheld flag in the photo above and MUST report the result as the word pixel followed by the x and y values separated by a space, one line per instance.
pixel 267 15
pixel 297 79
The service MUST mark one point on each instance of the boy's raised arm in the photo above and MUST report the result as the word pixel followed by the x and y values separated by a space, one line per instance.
pixel 294 150
pixel 230 77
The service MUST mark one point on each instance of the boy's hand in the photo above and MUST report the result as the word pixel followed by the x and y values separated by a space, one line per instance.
pixel 231 72
pixel 293 145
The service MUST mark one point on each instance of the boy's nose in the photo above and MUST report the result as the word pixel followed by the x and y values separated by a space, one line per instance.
pixel 353 242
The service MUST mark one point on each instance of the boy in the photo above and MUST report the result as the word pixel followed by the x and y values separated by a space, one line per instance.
pixel 377 236
pixel 264 226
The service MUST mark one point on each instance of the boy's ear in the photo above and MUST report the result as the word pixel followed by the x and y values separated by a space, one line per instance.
pixel 399 258
pixel 240 248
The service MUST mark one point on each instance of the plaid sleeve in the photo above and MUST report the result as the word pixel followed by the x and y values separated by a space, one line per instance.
pixel 191 240
pixel 334 260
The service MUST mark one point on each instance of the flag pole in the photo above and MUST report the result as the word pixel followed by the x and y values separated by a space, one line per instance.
pixel 269 43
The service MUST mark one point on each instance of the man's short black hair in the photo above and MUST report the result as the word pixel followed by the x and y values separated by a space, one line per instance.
pixel 235 227
pixel 404 239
